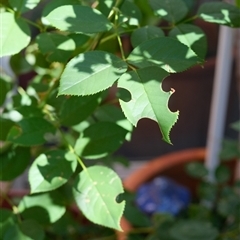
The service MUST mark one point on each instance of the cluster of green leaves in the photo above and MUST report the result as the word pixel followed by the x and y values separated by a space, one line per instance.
pixel 213 215
pixel 63 117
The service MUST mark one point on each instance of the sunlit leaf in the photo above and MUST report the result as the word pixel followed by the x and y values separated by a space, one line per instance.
pixel 96 192
pixel 10 28
pixel 43 208
pixel 148 100
pixel 165 52
pixel 58 47
pixel 77 18
pixel 170 10
pixel 145 33
pixel 5 86
pixel 23 5
pixel 131 12
pixel 192 36
pixel 105 6
pixel 220 12
pixel 51 170
pixel 91 72
pixel 100 139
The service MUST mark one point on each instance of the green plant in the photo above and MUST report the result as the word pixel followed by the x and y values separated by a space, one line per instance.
pixel 64 119
pixel 215 215
pixel 212 214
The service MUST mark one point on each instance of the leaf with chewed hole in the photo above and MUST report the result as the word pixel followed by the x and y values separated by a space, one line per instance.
pixel 96 191
pixel 148 99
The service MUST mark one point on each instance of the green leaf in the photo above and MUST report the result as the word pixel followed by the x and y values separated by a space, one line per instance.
pixel 23 5
pixel 10 28
pixel 96 191
pixel 100 139
pixel 221 13
pixel 51 170
pixel 198 212
pixel 110 113
pixel 6 220
pixel 192 36
pixel 229 205
pixel 51 5
pixel 77 18
pixel 196 169
pixel 32 230
pixel 91 72
pixel 192 229
pixel 190 3
pixel 143 34
pixel 133 214
pixel 131 12
pixel 222 174
pixel 105 6
pixel 14 162
pixel 230 150
pixel 148 100
pixel 29 111
pixel 5 126
pixel 14 233
pixel 19 64
pixel 42 208
pixel 165 52
pixel 77 108
pixel 79 39
pixel 207 191
pixel 170 10
pixel 58 47
pixel 30 131
pixel 5 86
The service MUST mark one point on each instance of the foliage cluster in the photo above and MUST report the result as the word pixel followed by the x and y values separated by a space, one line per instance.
pixel 63 119
pixel 212 214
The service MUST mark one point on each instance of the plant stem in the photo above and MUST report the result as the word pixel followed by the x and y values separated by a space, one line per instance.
pixel 189 19
pixel 71 149
pixel 33 24
pixel 121 47
pixel 14 207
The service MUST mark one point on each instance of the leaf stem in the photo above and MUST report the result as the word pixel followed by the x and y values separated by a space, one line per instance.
pixel 14 207
pixel 189 19
pixel 71 149
pixel 33 24
pixel 121 47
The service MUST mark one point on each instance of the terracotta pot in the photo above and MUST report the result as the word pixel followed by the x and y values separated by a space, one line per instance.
pixel 171 165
